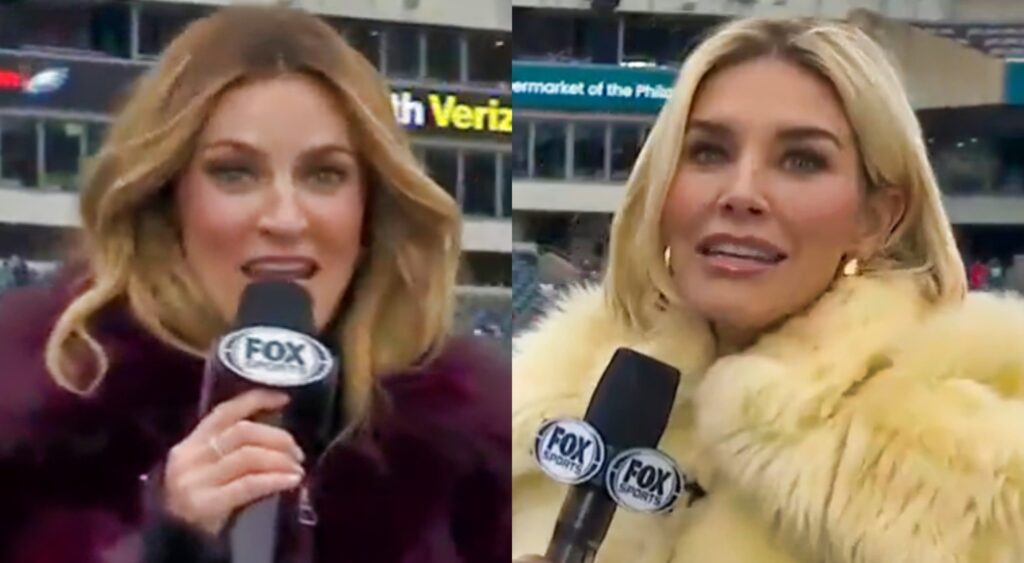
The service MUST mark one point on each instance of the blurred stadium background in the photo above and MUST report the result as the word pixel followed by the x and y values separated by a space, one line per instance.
pixel 587 80
pixel 589 76
pixel 64 64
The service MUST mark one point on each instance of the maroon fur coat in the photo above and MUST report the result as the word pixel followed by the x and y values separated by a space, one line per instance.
pixel 429 484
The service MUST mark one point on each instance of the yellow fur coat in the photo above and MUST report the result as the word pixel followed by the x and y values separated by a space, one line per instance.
pixel 872 428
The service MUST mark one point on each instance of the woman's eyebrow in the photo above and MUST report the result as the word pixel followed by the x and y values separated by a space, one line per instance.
pixel 230 143
pixel 713 128
pixel 808 132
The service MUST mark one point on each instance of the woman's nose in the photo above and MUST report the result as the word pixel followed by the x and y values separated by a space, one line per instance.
pixel 742 204
pixel 742 195
pixel 283 214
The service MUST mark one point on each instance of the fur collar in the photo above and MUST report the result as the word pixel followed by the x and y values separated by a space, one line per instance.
pixel 874 426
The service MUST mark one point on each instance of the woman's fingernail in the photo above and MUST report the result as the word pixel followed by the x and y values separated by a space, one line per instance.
pixel 299 454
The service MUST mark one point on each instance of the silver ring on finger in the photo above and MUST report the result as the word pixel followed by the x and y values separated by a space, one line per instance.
pixel 215 446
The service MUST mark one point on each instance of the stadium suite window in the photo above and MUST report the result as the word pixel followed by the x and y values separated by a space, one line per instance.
pixel 489 269
pixel 588 150
pixel 549 149
pixel 506 188
pixel 520 149
pixel 19 165
pixel 490 57
pixel 103 28
pixel 541 36
pixel 443 166
pixel 661 40
pixel 627 139
pixel 443 54
pixel 402 51
pixel 94 135
pixel 1010 154
pixel 479 195
pixel 363 38
pixel 10 27
pixel 110 29
pixel 64 143
pixel 159 23
pixel 966 167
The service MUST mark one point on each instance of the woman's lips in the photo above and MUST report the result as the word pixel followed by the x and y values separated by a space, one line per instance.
pixel 281 268
pixel 734 256
pixel 736 267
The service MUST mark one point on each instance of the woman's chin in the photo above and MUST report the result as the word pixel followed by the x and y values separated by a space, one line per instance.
pixel 735 315
pixel 716 300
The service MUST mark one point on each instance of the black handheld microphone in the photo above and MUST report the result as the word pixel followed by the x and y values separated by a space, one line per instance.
pixel 272 346
pixel 607 456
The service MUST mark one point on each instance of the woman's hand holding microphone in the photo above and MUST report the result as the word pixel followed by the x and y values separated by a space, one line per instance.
pixel 228 462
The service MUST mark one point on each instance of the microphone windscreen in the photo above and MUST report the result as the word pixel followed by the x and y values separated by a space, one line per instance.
pixel 633 400
pixel 277 303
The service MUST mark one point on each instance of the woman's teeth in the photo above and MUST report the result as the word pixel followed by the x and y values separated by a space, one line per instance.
pixel 740 251
pixel 280 270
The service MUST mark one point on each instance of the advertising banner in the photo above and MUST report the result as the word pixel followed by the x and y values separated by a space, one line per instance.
pixel 590 88
pixel 95 86
pixel 452 112
pixel 1013 83
pixel 64 83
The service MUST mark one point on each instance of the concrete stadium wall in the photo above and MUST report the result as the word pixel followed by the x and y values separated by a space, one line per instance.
pixel 475 14
pixel 937 72
pixel 911 9
pixel 561 196
pixel 1001 11
pixel 953 10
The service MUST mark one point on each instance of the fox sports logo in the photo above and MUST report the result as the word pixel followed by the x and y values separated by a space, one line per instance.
pixel 275 357
pixel 570 451
pixel 644 480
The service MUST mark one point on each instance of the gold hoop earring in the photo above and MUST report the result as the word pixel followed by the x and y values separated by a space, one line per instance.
pixel 668 258
pixel 851 268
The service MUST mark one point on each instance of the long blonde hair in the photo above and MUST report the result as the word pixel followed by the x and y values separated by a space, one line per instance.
pixel 401 296
pixel 888 137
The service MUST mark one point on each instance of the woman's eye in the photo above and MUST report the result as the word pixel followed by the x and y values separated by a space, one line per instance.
pixel 230 174
pixel 707 153
pixel 328 176
pixel 803 161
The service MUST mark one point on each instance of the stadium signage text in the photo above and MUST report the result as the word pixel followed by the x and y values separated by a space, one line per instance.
pixel 64 83
pixel 596 88
pixel 449 111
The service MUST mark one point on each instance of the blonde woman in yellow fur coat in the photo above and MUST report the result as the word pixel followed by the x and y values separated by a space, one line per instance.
pixel 783 244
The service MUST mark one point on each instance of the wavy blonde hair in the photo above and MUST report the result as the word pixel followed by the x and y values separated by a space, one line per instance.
pixel 889 141
pixel 401 296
